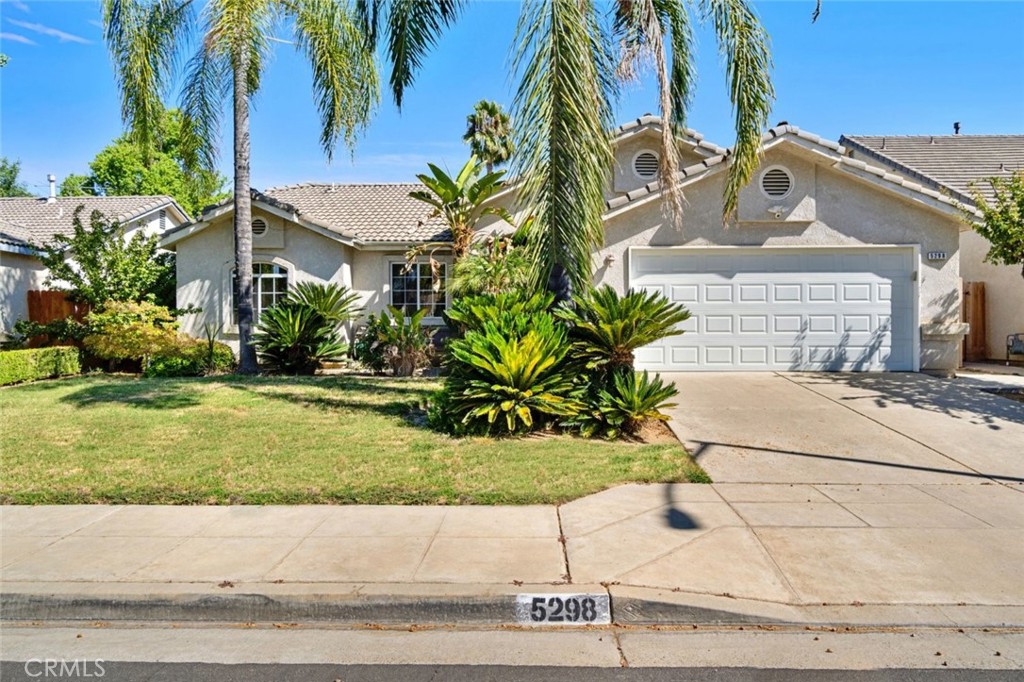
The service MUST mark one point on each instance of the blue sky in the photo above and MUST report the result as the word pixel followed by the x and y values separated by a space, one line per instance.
pixel 864 67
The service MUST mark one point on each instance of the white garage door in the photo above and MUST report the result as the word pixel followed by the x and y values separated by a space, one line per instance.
pixel 822 309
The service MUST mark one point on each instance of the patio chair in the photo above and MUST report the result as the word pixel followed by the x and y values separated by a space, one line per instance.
pixel 1014 346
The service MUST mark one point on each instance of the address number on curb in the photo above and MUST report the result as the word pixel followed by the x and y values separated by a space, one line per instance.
pixel 563 609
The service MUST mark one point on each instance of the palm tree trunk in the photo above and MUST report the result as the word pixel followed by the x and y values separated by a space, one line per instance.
pixel 243 216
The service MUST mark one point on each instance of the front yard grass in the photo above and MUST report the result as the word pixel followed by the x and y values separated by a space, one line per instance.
pixel 236 440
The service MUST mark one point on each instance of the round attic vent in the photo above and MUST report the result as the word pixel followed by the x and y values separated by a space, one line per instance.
pixel 259 226
pixel 645 165
pixel 776 182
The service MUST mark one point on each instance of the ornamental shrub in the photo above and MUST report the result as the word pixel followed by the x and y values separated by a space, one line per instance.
pixel 17 366
pixel 192 358
pixel 123 330
pixel 507 379
pixel 295 338
pixel 621 409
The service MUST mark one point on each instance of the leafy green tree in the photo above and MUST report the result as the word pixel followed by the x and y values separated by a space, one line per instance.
pixel 10 184
pixel 489 134
pixel 1002 220
pixel 77 185
pixel 459 201
pixel 232 42
pixel 95 264
pixel 124 168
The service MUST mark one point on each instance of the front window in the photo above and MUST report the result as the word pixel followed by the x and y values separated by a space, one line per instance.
pixel 269 287
pixel 414 287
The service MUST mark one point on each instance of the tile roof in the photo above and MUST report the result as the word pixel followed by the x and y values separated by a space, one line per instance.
pixel 721 160
pixel 37 220
pixel 688 134
pixel 950 162
pixel 381 212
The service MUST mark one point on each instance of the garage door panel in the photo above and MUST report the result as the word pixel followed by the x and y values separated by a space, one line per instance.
pixel 774 310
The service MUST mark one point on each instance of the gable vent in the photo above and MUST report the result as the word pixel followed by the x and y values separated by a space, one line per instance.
pixel 259 226
pixel 776 183
pixel 645 165
pixel 163 220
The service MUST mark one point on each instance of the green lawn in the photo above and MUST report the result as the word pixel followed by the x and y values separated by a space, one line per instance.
pixel 234 440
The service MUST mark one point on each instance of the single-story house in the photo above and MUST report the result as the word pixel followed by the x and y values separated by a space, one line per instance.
pixel 951 164
pixel 28 222
pixel 831 262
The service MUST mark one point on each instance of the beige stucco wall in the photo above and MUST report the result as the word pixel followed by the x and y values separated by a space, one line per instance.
pixel 205 261
pixel 847 211
pixel 19 274
pixel 623 178
pixel 1004 293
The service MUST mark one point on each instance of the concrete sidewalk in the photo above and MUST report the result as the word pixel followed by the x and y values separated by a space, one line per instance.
pixel 863 554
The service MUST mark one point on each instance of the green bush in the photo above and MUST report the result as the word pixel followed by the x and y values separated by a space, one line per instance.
pixel 192 358
pixel 294 338
pixel 505 382
pixel 335 302
pixel 396 342
pixel 472 312
pixel 367 348
pixel 17 366
pixel 607 328
pixel 130 331
pixel 622 408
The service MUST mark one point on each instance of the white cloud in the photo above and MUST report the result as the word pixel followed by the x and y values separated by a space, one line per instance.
pixel 15 38
pixel 18 5
pixel 62 36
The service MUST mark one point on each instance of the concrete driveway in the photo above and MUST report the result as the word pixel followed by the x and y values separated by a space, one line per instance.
pixel 849 428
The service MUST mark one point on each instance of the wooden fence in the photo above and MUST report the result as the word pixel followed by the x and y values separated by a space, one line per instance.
pixel 973 313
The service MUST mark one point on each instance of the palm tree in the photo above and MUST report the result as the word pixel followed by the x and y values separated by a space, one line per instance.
pixel 569 75
pixel 459 201
pixel 489 134
pixel 229 43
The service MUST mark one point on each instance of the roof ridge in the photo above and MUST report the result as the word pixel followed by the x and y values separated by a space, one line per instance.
pixel 299 185
pixel 950 137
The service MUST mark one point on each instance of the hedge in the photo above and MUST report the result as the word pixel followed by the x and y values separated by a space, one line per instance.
pixel 17 366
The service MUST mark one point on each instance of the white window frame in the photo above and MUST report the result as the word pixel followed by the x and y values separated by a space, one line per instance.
pixel 257 305
pixel 431 320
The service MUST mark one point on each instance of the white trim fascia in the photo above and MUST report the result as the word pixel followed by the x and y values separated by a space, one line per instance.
pixel 18 249
pixel 184 231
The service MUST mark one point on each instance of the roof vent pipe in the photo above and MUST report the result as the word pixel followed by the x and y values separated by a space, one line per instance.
pixel 956 128
pixel 52 179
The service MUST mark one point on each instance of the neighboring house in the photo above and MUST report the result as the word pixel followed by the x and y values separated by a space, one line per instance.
pixel 951 164
pixel 27 222
pixel 824 267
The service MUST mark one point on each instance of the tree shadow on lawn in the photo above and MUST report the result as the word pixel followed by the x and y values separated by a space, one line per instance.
pixel 148 394
pixel 347 396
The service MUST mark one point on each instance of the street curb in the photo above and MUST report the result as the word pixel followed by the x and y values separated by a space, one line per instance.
pixel 433 605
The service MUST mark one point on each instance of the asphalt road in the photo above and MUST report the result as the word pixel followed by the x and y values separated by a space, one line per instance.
pixel 11 671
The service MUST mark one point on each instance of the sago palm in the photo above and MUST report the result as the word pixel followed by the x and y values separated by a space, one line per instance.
pixel 609 328
pixel 489 133
pixel 227 45
pixel 460 201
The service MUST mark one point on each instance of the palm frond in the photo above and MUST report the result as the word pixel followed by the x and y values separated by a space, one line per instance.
pixel 562 115
pixel 144 39
pixel 344 73
pixel 413 27
pixel 206 89
pixel 744 45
